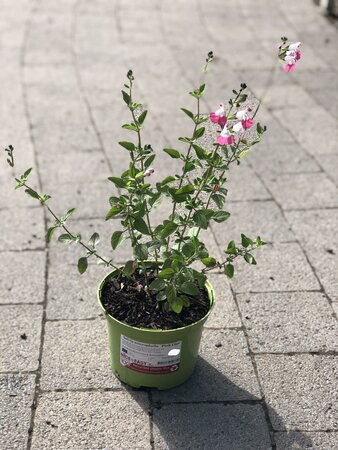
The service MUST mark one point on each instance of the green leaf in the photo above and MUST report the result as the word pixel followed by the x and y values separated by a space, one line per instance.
pixel 202 217
pixel 166 273
pixel 220 216
pixel 172 152
pixel 32 193
pixel 229 270
pixel 141 252
pixel 50 233
pixel 246 241
pixel 82 265
pixel 65 238
pixel 130 126
pixel 244 152
pixel 129 268
pixel 259 128
pixel 142 117
pixel 157 285
pixel 126 97
pixel 148 162
pixel 117 238
pixel 187 189
pixel 219 200
pixel 69 213
pixel 200 152
pixel 28 171
pixel 259 242
pixel 198 133
pixel 188 113
pixel 188 249
pixel 171 293
pixel 141 226
pixel 177 305
pixel 209 262
pixel 94 240
pixel 114 210
pixel 128 145
pixel 249 258
pixel 231 250
pixel 189 288
pixel 119 182
pixel 200 278
pixel 160 297
pixel 167 180
pixel 168 229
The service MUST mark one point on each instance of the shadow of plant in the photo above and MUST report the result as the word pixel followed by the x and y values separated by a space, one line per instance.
pixel 210 411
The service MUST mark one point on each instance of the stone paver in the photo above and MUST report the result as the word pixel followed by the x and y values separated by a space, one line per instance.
pixel 307 382
pixel 18 289
pixel 244 185
pixel 226 427
pixel 294 440
pixel 61 108
pixel 20 342
pixel 225 314
pixel 281 158
pixel 300 322
pixel 293 192
pixel 224 372
pixel 92 420
pixel 313 229
pixel 22 229
pixel 16 397
pixel 76 356
pixel 253 219
pixel 71 295
pixel 280 267
pixel 86 198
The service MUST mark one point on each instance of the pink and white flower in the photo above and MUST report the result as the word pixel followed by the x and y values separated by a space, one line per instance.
pixel 149 172
pixel 219 116
pixel 245 121
pixel 290 53
pixel 225 138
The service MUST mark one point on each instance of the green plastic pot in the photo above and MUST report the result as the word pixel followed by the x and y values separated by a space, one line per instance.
pixel 161 359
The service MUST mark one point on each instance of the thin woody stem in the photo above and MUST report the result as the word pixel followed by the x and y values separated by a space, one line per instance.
pixel 184 171
pixel 142 166
pixel 58 221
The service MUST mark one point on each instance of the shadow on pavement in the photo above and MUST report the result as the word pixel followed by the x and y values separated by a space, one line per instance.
pixel 211 412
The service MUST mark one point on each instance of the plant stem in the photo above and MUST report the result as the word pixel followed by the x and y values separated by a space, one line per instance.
pixel 184 171
pixel 142 167
pixel 58 221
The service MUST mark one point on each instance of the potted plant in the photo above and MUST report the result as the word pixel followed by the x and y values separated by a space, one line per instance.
pixel 157 302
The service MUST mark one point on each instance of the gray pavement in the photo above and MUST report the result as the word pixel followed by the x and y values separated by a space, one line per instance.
pixel 272 383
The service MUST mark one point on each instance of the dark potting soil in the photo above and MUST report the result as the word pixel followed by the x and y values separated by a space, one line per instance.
pixel 123 299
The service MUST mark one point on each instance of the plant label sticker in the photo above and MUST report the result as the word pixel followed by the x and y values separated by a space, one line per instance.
pixel 150 358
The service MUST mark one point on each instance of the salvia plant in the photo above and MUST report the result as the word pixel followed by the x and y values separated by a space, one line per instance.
pixel 197 195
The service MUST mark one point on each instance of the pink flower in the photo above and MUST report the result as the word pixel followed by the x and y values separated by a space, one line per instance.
pixel 225 138
pixel 290 53
pixel 243 114
pixel 289 67
pixel 219 116
pixel 149 172
pixel 247 123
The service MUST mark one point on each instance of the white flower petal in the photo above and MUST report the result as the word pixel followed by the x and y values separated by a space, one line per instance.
pixel 238 127
pixel 242 115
